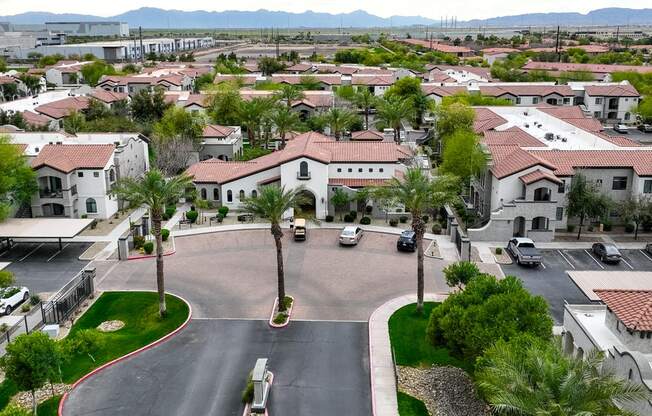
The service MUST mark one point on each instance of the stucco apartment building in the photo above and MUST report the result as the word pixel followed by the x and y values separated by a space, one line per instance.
pixel 76 172
pixel 317 162
pixel 534 154
pixel 599 72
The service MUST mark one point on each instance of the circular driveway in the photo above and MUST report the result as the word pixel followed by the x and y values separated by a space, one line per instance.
pixel 233 274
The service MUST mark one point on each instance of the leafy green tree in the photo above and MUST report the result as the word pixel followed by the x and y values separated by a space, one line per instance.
pixel 309 83
pixel 340 200
pixel 3 65
pixel 418 193
pixel 365 100
pixel 7 278
pixel 17 179
pixel 270 204
pixel 95 70
pixel 13 410
pixel 149 106
pixel 156 192
pixel 635 210
pixel 644 109
pixel 470 321
pixel 339 120
pixel 32 83
pixel 176 136
pixel 289 93
pixel 269 66
pixel 48 60
pixel 252 113
pixel 452 118
pixel 584 200
pixel 392 111
pixel 203 81
pixel 74 122
pixel 527 376
pixel 96 109
pixel 285 121
pixel 462 155
pixel 406 88
pixel 85 342
pixel 224 105
pixel 460 273
pixel 30 361
pixel 8 91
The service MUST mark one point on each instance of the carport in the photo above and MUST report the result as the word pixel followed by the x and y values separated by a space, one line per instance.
pixel 42 229
pixel 588 281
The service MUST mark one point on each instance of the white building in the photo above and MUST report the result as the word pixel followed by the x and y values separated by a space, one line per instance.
pixel 94 29
pixel 611 102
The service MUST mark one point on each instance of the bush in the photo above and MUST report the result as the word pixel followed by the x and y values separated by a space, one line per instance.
pixel 248 392
pixel 403 219
pixel 499 251
pixel 365 220
pixel 425 218
pixel 393 222
pixel 629 227
pixel 368 209
pixel 139 240
pixel 223 210
pixel 169 212
pixel 165 234
pixel 353 214
pixel 26 307
pixel 329 218
pixel 647 224
pixel 148 247
pixel 280 318
pixel 34 299
pixel 460 273
pixel 436 228
pixel 607 226
pixel 192 216
pixel 348 218
pixel 570 228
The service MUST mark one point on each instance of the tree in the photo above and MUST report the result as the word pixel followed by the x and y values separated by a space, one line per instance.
pixel 149 106
pixel 8 91
pixel 309 83
pixel 365 100
pixel 203 81
pixel 7 278
pixel 17 179
pixel 637 210
pixel 32 83
pixel 340 199
pixel 451 118
pixel 95 70
pixel 528 376
pixel 644 109
pixel 3 65
pixel 417 192
pixel 224 105
pixel 268 65
pixel 30 361
pixel 460 274
pixel 285 121
pixel 176 136
pixel 339 120
pixel 96 109
pixel 270 204
pixel 85 341
pixel 462 155
pixel 392 111
pixel 252 113
pixel 289 93
pixel 487 310
pixel 584 200
pixel 156 192
pixel 74 122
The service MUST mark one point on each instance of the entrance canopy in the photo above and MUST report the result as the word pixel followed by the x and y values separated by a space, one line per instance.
pixel 43 227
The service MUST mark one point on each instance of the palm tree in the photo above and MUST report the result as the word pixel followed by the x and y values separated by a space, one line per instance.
pixel 339 120
pixel 285 121
pixel 418 193
pixel 154 191
pixel 270 204
pixel 33 84
pixel 251 116
pixel 289 93
pixel 365 100
pixel 392 111
pixel 529 377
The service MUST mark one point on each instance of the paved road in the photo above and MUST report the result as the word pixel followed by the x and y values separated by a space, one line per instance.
pixel 320 368
pixel 233 274
pixel 41 267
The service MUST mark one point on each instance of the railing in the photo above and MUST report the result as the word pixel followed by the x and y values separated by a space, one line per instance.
pixel 303 176
pixel 31 321
pixel 50 193
pixel 64 302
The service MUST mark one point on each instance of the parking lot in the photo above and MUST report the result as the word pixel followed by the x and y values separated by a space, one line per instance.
pixel 632 133
pixel 42 267
pixel 552 282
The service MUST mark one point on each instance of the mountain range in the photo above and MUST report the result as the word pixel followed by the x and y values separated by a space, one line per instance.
pixel 149 17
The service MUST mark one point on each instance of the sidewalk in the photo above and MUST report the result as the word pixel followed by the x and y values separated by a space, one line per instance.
pixel 381 363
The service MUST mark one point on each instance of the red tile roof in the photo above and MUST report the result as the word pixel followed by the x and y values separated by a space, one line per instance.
pixel 68 157
pixel 328 79
pixel 35 119
pixel 6 79
pixel 442 91
pixel 174 79
pixel 215 130
pixel 620 141
pixel 622 90
pixel 485 119
pixel 383 80
pixel 367 135
pixel 565 162
pixel 513 136
pixel 575 116
pixel 538 175
pixel 62 108
pixel 494 51
pixel 594 68
pixel 632 307
pixel 508 160
pixel 437 75
pixel 108 96
pixel 526 90
pixel 245 78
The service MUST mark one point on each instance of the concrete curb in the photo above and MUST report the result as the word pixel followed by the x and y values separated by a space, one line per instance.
pixel 131 354
pixel 289 312
pixel 151 256
pixel 381 362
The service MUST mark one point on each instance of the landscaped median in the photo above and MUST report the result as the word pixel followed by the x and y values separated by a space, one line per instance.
pixel 138 311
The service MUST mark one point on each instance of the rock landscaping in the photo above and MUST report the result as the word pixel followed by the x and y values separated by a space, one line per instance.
pixel 24 398
pixel 110 326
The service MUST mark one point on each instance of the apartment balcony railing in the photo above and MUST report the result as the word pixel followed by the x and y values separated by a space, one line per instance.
pixel 303 176
pixel 50 193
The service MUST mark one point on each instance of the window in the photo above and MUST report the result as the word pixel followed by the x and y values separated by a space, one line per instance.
pixel 350 170
pixel 535 100
pixel 371 170
pixel 559 214
pixel 619 183
pixel 229 196
pixel 339 169
pixel 381 170
pixel 647 186
pixel 96 174
pixel 359 170
pixel 254 194
pixel 518 100
pixel 91 206
pixel 203 193
pixel 562 187
pixel 80 174
pixel 627 116
pixel 566 100
pixel 631 373
pixel 598 101
pixel 598 183
pixel 216 194
pixel 112 175
pixel 241 194
pixel 303 169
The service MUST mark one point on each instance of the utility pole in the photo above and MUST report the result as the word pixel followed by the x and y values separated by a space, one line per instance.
pixel 277 43
pixel 557 48
pixel 142 52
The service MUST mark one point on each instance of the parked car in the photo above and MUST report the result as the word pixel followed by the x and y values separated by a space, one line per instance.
pixel 407 241
pixel 648 248
pixel 607 252
pixel 299 229
pixel 524 251
pixel 350 235
pixel 621 128
pixel 12 296
pixel 645 128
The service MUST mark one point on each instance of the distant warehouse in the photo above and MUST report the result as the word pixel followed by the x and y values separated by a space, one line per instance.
pixel 113 29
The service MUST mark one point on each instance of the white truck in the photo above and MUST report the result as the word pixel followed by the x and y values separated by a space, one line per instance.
pixel 524 251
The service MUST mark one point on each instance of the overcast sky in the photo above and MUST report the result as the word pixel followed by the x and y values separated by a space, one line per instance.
pixel 464 10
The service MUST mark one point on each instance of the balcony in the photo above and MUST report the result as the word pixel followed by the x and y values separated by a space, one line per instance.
pixel 303 176
pixel 50 193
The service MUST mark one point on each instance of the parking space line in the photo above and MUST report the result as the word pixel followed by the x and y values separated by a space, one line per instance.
pixel 627 263
pixel 57 253
pixel 594 259
pixel 31 252
pixel 564 257
pixel 646 255
pixel 543 265
pixel 4 253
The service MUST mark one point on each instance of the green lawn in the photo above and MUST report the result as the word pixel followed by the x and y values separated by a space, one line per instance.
pixel 407 333
pixel 407 406
pixel 50 407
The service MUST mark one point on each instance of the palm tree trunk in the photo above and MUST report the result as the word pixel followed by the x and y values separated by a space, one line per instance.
pixel 34 405
pixel 250 135
pixel 283 140
pixel 278 234
pixel 397 135
pixel 636 231
pixel 419 228
pixel 366 119
pixel 579 230
pixel 160 278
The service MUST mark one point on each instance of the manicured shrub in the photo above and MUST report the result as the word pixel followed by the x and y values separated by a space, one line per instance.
pixel 403 219
pixel 353 214
pixel 607 226
pixel 368 209
pixel 280 318
pixel 148 247
pixel 499 251
pixel 365 220
pixel 223 210
pixel 590 228
pixel 139 240
pixel 393 222
pixel 192 216
pixel 425 218
pixel 169 212
pixel 348 218
pixel 26 307
pixel 436 228
pixel 570 228
pixel 329 218
pixel 165 234
pixel 34 299
pixel 629 227
pixel 460 273
pixel 248 392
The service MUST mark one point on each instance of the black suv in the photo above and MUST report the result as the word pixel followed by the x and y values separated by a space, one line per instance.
pixel 407 241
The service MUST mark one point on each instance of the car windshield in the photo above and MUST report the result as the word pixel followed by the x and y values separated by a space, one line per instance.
pixel 348 233
pixel 611 249
pixel 526 245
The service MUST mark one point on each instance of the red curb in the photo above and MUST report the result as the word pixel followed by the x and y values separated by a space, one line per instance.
pixel 271 318
pixel 124 357
pixel 150 256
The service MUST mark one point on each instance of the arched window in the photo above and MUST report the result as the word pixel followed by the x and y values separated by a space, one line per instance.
pixel 254 194
pixel 627 116
pixel 91 206
pixel 229 196
pixel 203 193
pixel 303 169
pixel 216 194
pixel 242 194
pixel 112 175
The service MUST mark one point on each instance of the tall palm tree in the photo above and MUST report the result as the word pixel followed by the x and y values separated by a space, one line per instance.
pixel 154 191
pixel 270 204
pixel 418 193
pixel 392 110
pixel 289 93
pixel 339 120
pixel 529 377
pixel 251 116
pixel 365 100
pixel 285 121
